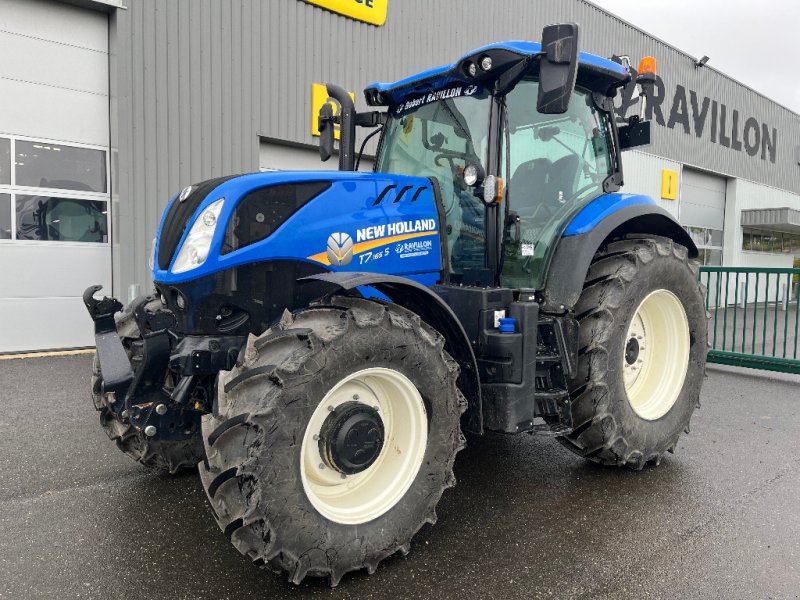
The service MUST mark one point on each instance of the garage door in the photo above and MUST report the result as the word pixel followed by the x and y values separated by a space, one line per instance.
pixel 702 212
pixel 54 183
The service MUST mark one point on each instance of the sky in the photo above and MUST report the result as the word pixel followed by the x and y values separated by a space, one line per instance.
pixel 754 42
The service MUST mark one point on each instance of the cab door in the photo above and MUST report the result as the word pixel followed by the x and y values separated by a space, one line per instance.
pixel 557 165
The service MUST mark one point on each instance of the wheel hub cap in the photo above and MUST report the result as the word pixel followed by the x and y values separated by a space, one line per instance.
pixel 632 351
pixel 363 445
pixel 351 438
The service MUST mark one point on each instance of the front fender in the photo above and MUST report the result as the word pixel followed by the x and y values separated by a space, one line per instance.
pixel 433 310
pixel 595 224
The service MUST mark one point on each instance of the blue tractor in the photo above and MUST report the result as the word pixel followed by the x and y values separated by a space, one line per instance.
pixel 319 341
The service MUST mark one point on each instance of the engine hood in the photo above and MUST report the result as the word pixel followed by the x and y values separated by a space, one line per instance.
pixel 339 220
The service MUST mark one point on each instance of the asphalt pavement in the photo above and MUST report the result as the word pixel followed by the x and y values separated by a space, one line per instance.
pixel 718 519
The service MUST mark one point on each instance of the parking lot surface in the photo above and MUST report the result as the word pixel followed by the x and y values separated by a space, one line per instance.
pixel 719 519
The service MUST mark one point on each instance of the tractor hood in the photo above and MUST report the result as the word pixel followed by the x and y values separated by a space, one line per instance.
pixel 339 221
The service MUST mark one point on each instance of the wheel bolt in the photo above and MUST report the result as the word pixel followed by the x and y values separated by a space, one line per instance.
pixel 316 437
pixel 344 476
pixel 355 396
pixel 161 409
pixel 330 408
pixel 321 466
pixel 376 407
pixel 125 414
pixel 150 431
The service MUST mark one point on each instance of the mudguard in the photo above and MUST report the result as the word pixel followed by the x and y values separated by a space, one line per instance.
pixel 436 313
pixel 611 215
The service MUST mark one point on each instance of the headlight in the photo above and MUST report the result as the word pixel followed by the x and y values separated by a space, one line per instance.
pixel 194 250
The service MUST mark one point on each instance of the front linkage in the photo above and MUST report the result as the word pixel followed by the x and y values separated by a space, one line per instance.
pixel 161 388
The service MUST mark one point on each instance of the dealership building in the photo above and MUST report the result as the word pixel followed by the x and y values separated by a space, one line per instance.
pixel 111 106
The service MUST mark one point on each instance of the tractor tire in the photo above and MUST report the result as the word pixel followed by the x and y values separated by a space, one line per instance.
pixel 641 362
pixel 331 445
pixel 164 455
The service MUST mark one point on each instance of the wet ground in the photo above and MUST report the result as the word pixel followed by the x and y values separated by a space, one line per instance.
pixel 719 519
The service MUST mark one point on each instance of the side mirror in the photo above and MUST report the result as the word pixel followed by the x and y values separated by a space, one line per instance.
pixel 326 131
pixel 558 68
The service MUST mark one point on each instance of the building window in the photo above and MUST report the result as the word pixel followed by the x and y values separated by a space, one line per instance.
pixel 773 242
pixel 5 161
pixel 56 166
pixel 52 192
pixel 61 219
pixel 5 216
pixel 709 244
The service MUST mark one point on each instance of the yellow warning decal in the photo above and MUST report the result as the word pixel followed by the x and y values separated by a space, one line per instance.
pixel 368 11
pixel 322 257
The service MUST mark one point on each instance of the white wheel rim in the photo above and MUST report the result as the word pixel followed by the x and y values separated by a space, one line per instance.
pixel 364 496
pixel 658 343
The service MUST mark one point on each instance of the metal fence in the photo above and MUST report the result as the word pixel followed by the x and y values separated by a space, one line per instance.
pixel 754 317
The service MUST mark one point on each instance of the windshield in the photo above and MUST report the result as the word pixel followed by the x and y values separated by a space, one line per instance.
pixel 437 135
pixel 558 164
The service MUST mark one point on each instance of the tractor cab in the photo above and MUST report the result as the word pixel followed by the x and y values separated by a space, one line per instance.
pixel 518 136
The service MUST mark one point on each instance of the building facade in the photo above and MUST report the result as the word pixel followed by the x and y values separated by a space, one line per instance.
pixel 112 106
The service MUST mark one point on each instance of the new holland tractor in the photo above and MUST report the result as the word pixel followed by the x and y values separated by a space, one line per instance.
pixel 318 341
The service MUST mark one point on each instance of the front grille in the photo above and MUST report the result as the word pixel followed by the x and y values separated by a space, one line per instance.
pixel 177 218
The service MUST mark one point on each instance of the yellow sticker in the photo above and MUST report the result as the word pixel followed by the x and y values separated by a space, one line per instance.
pixel 319 95
pixel 669 184
pixel 369 11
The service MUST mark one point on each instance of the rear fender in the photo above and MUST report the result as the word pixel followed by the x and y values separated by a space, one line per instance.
pixel 587 233
pixel 433 310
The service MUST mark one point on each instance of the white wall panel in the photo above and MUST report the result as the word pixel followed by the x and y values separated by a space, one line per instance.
pixel 55 22
pixel 47 324
pixel 35 60
pixel 41 269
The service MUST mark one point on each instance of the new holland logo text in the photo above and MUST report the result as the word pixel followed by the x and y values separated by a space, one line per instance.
pixel 402 227
pixel 340 249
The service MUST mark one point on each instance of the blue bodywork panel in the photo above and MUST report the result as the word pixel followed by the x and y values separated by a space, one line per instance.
pixel 447 74
pixel 397 236
pixel 600 208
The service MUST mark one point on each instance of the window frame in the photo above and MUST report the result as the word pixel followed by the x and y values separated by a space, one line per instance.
pixel 14 190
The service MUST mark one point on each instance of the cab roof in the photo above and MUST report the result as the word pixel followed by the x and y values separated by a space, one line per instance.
pixel 594 72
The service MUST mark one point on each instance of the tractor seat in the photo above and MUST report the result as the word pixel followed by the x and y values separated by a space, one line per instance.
pixel 528 185
pixel 561 180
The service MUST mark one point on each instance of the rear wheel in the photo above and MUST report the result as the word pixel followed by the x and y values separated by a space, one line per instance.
pixel 163 455
pixel 332 444
pixel 642 355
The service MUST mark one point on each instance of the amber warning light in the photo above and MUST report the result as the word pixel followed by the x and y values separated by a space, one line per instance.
pixel 647 65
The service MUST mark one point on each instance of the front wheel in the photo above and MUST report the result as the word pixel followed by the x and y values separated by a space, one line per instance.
pixel 332 443
pixel 642 353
